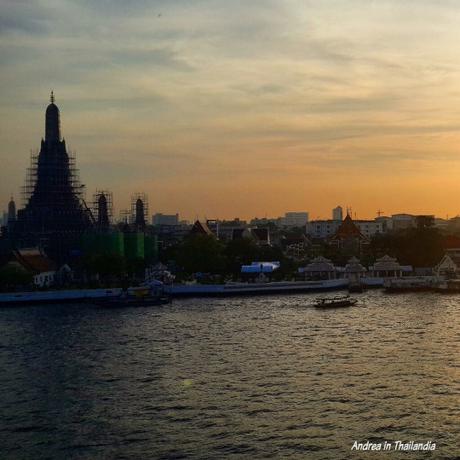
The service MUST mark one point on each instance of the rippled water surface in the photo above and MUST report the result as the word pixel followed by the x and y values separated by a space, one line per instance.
pixel 265 377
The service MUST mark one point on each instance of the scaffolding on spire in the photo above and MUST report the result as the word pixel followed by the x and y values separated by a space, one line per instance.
pixel 139 210
pixel 54 213
pixel 102 209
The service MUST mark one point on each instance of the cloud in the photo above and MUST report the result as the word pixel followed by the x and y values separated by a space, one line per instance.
pixel 212 92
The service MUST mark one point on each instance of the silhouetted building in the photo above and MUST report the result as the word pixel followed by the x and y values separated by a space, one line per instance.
pixel 54 216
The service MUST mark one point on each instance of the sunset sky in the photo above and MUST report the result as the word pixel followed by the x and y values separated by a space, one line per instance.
pixel 241 108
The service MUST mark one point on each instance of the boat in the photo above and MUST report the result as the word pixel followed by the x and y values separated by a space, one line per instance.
pixel 334 302
pixel 143 296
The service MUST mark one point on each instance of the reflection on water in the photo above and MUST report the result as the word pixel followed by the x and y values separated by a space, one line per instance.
pixel 263 377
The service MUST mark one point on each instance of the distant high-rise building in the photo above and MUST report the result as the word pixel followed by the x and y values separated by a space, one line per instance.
pixel 295 219
pixel 337 213
pixel 54 215
pixel 165 219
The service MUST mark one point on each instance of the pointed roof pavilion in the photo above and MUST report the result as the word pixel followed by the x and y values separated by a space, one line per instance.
pixel 348 229
pixel 201 228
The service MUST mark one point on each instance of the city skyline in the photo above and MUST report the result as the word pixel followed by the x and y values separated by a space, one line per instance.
pixel 120 215
pixel 238 110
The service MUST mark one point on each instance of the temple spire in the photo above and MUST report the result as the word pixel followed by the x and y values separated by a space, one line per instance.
pixel 53 124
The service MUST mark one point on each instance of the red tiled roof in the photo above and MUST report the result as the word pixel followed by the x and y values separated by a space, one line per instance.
pixel 33 260
pixel 348 229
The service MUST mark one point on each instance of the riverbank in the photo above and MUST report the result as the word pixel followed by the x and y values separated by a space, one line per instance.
pixel 178 290
pixel 227 290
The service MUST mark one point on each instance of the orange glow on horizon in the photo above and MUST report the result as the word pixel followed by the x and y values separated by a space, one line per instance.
pixel 243 111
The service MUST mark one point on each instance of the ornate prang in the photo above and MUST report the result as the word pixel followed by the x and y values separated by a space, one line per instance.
pixel 54 214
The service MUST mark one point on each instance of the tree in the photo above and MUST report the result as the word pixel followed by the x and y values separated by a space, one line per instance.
pixel 11 276
pixel 201 253
pixel 419 247
pixel 135 267
pixel 105 265
pixel 240 252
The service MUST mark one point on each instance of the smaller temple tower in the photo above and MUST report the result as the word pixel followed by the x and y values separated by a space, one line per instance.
pixel 139 210
pixel 102 209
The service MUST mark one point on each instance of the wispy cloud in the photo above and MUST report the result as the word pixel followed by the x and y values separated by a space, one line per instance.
pixel 188 97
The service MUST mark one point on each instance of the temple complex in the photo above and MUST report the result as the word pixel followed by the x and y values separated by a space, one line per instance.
pixel 55 215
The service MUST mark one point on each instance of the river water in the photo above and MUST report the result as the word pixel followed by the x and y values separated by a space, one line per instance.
pixel 258 377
